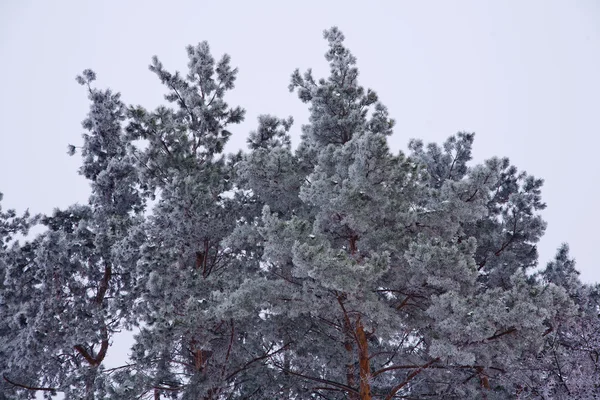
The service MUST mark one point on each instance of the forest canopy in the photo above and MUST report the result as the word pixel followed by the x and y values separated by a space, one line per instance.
pixel 333 270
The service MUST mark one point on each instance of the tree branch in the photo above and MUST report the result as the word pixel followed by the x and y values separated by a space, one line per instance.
pixel 29 387
pixel 497 335
pixel 103 286
pixel 264 356
pixel 320 380
pixel 416 372
pixel 81 350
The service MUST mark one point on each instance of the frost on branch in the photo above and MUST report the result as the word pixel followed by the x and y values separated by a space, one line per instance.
pixel 334 270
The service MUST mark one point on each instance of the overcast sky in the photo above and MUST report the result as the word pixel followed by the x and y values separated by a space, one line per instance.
pixel 523 75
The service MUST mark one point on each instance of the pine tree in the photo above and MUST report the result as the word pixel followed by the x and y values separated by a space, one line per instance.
pixel 383 268
pixel 570 356
pixel 69 281
pixel 187 346
pixel 336 270
pixel 14 310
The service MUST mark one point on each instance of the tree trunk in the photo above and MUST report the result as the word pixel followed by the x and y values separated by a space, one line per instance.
pixel 349 339
pixel 90 379
pixel 363 362
pixel 350 378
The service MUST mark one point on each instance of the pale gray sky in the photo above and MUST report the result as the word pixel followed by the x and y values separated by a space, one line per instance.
pixel 524 75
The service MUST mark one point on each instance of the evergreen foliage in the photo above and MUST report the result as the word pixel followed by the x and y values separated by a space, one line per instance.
pixel 336 270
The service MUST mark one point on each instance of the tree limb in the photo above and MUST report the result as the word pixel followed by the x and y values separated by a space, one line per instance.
pixel 29 387
pixel 416 372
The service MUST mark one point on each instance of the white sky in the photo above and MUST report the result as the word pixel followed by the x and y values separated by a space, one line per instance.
pixel 525 76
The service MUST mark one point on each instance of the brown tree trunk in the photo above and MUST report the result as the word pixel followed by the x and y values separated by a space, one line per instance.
pixel 350 373
pixel 363 362
pixel 349 339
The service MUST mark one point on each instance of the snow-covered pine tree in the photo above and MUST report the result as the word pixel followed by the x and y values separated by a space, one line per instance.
pixel 69 283
pixel 186 346
pixel 13 309
pixel 403 276
pixel 337 270
pixel 569 364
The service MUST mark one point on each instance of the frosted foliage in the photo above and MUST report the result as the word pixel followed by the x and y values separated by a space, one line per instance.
pixel 338 105
pixel 68 284
pixel 13 311
pixel 335 270
pixel 569 359
pixel 271 169
pixel 185 137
